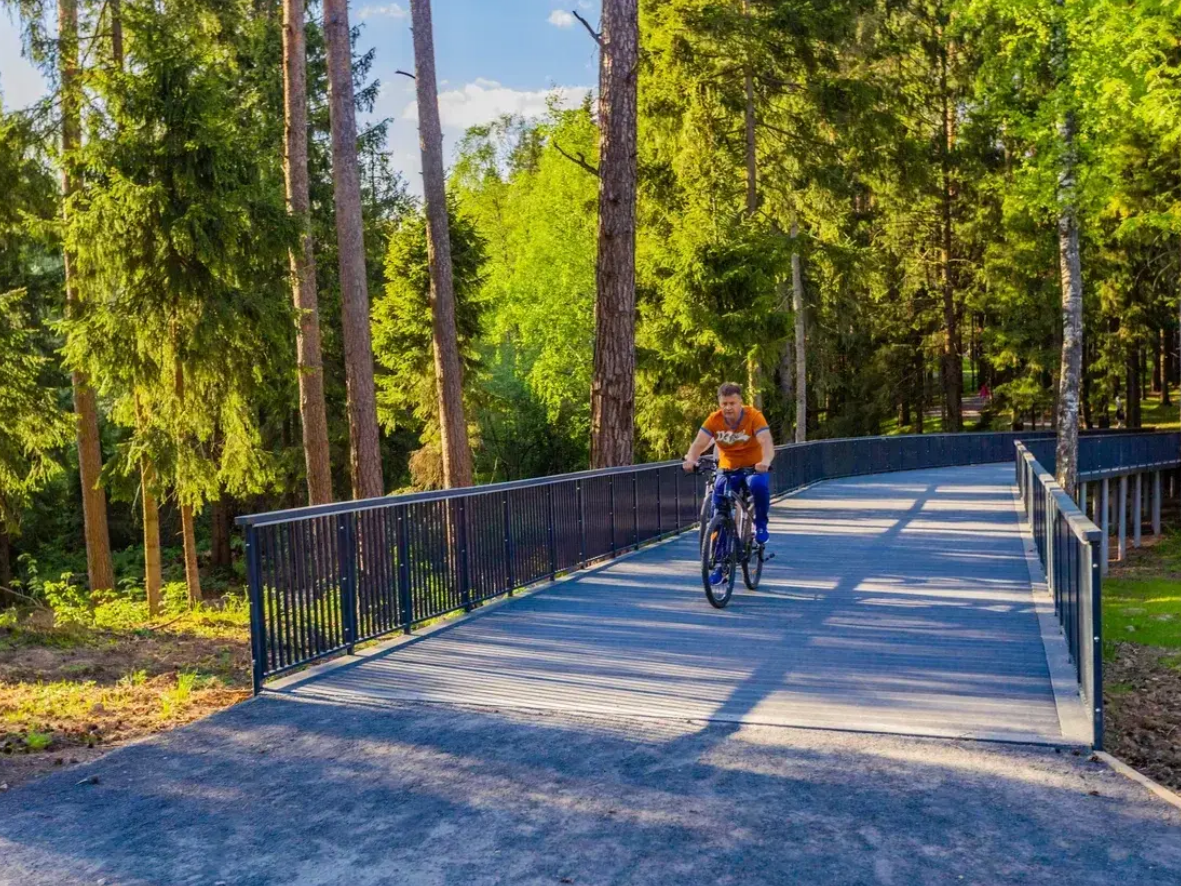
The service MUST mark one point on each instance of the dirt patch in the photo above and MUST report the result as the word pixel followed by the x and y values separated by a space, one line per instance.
pixel 1142 694
pixel 70 693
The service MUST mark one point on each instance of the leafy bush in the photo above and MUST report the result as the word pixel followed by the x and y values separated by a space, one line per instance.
pixel 70 602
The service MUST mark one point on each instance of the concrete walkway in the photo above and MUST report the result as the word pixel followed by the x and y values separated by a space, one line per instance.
pixel 632 747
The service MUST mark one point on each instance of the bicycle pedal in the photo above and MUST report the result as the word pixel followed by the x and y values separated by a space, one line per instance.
pixel 769 558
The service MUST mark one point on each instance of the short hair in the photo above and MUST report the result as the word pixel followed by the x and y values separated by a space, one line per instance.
pixel 729 389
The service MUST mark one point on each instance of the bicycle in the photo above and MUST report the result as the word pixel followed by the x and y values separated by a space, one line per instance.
pixel 729 540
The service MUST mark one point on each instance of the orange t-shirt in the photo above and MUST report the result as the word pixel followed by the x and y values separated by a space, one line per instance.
pixel 738 444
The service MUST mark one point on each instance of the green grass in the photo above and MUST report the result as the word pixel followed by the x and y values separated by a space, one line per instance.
pixel 1153 415
pixel 1143 610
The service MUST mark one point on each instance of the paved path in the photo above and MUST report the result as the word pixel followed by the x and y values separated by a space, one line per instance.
pixel 339 780
pixel 898 603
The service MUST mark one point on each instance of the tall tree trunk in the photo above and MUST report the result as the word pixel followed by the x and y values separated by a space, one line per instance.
pixel 754 371
pixel 613 385
pixel 953 367
pixel 787 388
pixel 116 12
pixel 192 573
pixel 1157 357
pixel 365 448
pixel 312 411
pixel 1166 366
pixel 1071 275
pixel 153 573
pixel 752 169
pixel 1070 270
pixel 801 321
pixel 457 451
pixel 94 499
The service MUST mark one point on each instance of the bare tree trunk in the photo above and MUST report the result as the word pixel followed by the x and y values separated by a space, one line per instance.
pixel 192 574
pixel 787 387
pixel 303 260
pixel 613 385
pixel 365 449
pixel 1070 271
pixel 1166 369
pixel 457 451
pixel 797 301
pixel 94 500
pixel 953 367
pixel 116 12
pixel 153 574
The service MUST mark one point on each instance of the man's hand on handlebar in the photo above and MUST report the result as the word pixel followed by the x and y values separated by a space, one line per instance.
pixel 762 467
pixel 689 465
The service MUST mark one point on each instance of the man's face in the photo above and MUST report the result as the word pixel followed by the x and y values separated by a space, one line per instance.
pixel 731 406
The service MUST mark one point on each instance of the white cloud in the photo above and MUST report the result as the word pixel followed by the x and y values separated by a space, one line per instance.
pixel 390 10
pixel 482 101
pixel 560 18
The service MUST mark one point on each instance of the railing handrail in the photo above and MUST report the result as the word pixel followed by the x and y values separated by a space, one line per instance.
pixel 1082 526
pixel 406 498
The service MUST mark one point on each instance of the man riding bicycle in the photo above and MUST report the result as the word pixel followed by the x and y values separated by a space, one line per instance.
pixel 744 441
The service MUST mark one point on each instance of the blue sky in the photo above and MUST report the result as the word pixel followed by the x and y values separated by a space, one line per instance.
pixel 492 56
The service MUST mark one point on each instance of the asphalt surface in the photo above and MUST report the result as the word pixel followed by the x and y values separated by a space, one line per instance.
pixel 286 791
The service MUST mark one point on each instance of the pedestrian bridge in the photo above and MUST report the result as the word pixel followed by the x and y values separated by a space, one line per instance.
pixel 903 601
pixel 896 603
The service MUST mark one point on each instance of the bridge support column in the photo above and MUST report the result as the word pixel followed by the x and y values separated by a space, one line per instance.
pixel 1156 504
pixel 1137 507
pixel 1123 518
pixel 1105 521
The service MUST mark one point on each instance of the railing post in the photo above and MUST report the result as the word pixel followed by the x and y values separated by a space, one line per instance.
pixel 510 570
pixel 1105 524
pixel 659 515
pixel 346 542
pixel 1137 508
pixel 553 547
pixel 465 587
pixel 1156 503
pixel 405 601
pixel 677 497
pixel 581 523
pixel 258 642
pixel 611 509
pixel 1123 518
pixel 635 510
pixel 1096 604
pixel 1082 497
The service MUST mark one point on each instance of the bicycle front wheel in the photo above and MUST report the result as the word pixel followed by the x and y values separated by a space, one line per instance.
pixel 719 551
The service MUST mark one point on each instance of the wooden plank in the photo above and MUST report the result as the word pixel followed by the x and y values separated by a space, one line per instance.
pixel 896 603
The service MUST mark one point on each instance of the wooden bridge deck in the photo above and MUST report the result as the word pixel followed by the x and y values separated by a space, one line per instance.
pixel 896 603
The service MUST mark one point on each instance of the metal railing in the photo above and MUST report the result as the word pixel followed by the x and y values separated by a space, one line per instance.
pixel 1069 547
pixel 1110 455
pixel 323 579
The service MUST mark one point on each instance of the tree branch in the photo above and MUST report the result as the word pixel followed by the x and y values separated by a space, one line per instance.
pixel 580 160
pixel 598 38
pixel 405 74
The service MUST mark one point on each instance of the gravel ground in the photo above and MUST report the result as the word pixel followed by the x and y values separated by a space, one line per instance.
pixel 281 791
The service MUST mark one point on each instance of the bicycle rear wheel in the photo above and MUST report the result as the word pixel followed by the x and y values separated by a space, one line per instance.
pixel 720 548
pixel 752 567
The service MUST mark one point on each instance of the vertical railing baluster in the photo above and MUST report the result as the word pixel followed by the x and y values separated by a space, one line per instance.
pixel 348 588
pixel 552 538
pixel 405 603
